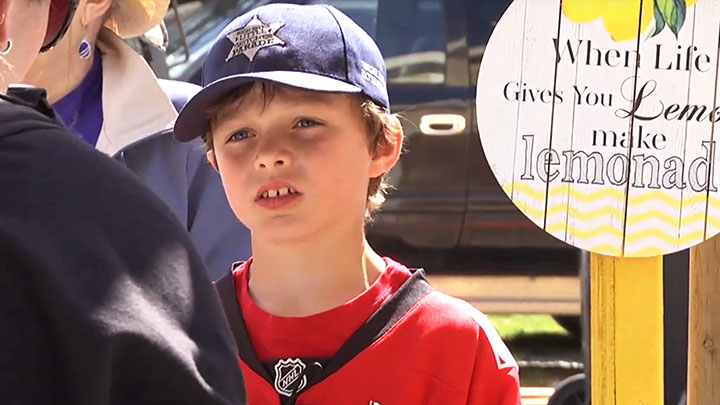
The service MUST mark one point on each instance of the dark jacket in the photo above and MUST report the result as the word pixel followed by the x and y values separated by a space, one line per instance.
pixel 103 299
pixel 138 113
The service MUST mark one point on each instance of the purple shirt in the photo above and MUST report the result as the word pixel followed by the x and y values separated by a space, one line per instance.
pixel 81 109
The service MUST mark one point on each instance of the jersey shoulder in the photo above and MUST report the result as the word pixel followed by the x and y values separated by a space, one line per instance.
pixel 455 320
pixel 444 311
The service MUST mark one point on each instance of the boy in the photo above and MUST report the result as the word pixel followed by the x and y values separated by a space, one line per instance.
pixel 294 113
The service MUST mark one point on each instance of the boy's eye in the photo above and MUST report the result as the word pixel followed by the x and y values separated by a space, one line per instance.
pixel 239 135
pixel 306 123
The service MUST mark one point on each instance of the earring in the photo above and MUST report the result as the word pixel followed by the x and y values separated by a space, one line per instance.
pixel 7 48
pixel 84 50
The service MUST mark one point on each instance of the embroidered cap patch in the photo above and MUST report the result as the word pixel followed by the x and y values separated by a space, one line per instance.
pixel 254 36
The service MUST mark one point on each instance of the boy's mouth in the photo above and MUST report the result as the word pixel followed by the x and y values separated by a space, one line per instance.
pixel 276 189
pixel 275 195
pixel 278 193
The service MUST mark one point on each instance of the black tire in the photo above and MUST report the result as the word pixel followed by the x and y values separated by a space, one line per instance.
pixel 570 391
pixel 570 323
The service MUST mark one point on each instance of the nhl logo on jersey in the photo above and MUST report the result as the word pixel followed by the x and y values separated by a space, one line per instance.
pixel 290 376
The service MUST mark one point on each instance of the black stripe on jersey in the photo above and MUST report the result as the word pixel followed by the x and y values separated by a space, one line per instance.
pixel 226 288
pixel 411 291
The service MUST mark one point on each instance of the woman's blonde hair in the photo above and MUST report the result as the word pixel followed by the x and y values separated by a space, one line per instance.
pixel 377 120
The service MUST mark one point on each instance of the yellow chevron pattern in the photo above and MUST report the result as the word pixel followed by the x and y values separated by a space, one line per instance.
pixel 527 190
pixel 713 221
pixel 610 231
pixel 641 236
pixel 606 249
pixel 654 226
pixel 612 192
pixel 696 216
pixel 690 237
pixel 694 198
pixel 714 205
pixel 578 213
pixel 557 228
pixel 533 212
pixel 647 252
pixel 651 213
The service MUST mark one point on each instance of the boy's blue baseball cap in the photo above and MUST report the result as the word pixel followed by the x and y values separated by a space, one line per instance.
pixel 313 47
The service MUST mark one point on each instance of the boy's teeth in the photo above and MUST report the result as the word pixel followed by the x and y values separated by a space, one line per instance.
pixel 278 193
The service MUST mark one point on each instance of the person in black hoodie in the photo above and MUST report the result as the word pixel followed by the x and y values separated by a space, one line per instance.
pixel 103 299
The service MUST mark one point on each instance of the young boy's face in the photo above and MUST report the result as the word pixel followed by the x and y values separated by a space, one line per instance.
pixel 295 164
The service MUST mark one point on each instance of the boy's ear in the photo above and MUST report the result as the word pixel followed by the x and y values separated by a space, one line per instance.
pixel 387 156
pixel 210 155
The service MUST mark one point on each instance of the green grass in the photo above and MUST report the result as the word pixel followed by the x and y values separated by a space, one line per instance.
pixel 538 337
pixel 512 326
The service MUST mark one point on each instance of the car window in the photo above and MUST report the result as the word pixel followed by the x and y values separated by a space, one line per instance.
pixel 410 34
pixel 201 21
pixel 483 16
pixel 363 12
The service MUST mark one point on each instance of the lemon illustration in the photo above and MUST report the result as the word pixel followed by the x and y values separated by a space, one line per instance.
pixel 619 17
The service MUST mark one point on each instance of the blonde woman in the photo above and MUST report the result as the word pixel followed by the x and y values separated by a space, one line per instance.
pixel 106 93
pixel 103 299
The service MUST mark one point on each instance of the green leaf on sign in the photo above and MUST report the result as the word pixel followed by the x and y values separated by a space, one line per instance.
pixel 659 22
pixel 673 11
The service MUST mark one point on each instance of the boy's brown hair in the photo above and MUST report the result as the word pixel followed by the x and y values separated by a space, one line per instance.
pixel 377 121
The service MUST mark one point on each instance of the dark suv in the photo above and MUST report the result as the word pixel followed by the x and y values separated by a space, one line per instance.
pixel 447 212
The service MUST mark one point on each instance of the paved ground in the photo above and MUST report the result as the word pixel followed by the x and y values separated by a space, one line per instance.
pixel 527 294
pixel 545 360
pixel 535 395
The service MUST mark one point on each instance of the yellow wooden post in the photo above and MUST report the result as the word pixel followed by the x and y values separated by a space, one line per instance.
pixel 626 343
pixel 704 327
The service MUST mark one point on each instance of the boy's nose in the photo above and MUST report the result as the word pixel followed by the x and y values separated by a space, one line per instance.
pixel 272 160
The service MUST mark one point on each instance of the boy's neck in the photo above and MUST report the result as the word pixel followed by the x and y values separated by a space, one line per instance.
pixel 302 279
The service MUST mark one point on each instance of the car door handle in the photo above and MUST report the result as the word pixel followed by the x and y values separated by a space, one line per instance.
pixel 442 124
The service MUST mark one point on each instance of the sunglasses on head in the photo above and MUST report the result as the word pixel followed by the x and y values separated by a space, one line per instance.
pixel 60 16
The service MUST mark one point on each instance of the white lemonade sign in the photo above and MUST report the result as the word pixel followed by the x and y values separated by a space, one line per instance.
pixel 602 130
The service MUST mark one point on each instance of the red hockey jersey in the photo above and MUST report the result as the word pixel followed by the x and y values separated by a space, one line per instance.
pixel 419 347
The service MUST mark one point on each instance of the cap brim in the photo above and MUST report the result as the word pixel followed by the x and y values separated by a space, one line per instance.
pixel 192 120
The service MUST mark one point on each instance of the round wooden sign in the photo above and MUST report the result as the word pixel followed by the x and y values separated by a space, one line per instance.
pixel 600 119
